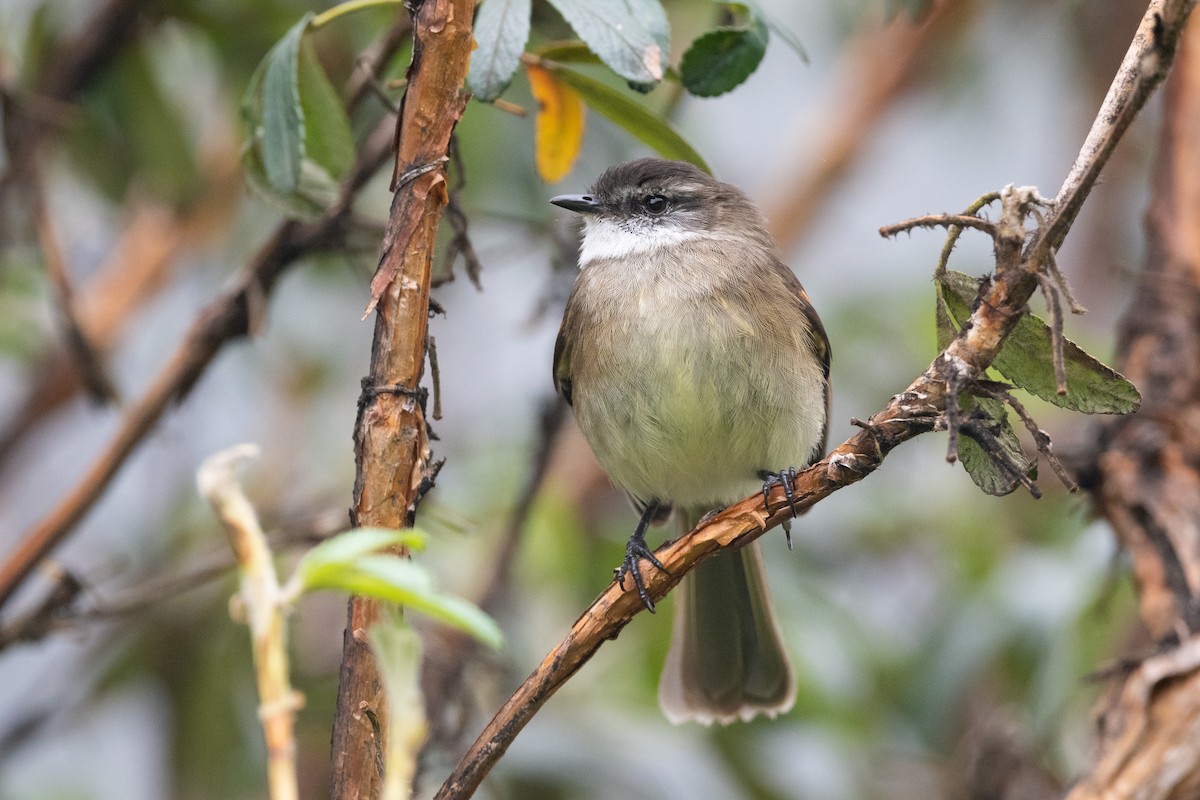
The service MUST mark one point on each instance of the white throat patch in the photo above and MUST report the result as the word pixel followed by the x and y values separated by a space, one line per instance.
pixel 604 239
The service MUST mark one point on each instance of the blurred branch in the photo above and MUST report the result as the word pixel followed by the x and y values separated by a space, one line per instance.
pixel 225 319
pixel 1144 474
pixel 880 65
pixel 916 410
pixel 391 444
pixel 135 270
pixel 79 344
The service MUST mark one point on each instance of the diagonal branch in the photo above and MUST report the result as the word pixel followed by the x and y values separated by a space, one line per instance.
pixel 910 413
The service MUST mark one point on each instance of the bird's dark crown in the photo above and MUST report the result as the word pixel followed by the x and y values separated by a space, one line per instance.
pixel 626 188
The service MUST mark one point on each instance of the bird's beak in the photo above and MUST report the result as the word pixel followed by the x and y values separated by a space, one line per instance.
pixel 583 203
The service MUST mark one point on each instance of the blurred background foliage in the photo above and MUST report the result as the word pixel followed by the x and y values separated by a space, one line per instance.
pixel 941 636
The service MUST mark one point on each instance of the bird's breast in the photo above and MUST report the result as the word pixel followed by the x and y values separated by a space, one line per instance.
pixel 685 390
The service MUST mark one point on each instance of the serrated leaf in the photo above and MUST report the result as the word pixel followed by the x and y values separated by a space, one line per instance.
pixel 501 31
pixel 328 140
pixel 559 124
pixel 1026 360
pixel 983 469
pixel 649 128
pixel 721 59
pixel 282 115
pixel 346 548
pixel 621 39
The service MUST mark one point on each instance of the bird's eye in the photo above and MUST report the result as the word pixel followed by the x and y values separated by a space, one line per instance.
pixel 655 204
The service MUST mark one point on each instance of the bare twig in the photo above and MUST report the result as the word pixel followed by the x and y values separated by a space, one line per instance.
pixel 939 221
pixel 956 230
pixel 435 379
pixel 909 414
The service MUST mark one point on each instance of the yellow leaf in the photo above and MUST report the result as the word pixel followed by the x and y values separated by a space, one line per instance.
pixel 559 124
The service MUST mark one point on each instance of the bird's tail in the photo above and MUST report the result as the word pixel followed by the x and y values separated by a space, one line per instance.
pixel 727 659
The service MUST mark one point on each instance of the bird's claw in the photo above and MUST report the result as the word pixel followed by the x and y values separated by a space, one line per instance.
pixel 784 478
pixel 635 550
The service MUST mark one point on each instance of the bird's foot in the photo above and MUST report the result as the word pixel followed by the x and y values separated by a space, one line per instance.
pixel 784 478
pixel 635 550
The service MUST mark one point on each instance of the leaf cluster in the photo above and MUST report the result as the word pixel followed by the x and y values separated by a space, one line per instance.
pixel 1027 361
pixel 632 39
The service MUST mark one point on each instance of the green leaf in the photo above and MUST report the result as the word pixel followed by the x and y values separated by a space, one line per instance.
pixel 721 59
pixel 651 16
pixel 1026 360
pixel 631 115
pixel 984 471
pixel 282 113
pixel 616 30
pixel 345 548
pixel 328 140
pixel 501 31
pixel 946 330
pixel 316 190
pixel 570 51
pixel 399 580
pixel 397 650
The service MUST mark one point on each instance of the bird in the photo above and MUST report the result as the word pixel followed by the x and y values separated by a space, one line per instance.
pixel 698 371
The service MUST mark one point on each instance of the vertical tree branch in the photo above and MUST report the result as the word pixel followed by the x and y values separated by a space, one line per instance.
pixel 390 440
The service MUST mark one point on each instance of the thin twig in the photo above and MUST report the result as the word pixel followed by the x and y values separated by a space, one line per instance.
pixel 435 379
pixel 91 365
pixel 939 221
pixel 956 230
pixel 1041 439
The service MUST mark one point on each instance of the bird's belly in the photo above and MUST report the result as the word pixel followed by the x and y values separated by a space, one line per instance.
pixel 690 413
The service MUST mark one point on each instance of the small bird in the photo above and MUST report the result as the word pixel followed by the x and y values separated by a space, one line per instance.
pixel 698 371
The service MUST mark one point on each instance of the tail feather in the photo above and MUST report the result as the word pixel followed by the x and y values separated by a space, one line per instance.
pixel 727 660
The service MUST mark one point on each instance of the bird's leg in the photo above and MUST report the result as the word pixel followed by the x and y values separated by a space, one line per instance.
pixel 636 549
pixel 783 477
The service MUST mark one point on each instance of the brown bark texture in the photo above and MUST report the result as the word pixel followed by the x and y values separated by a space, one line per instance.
pixel 390 439
pixel 1144 475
